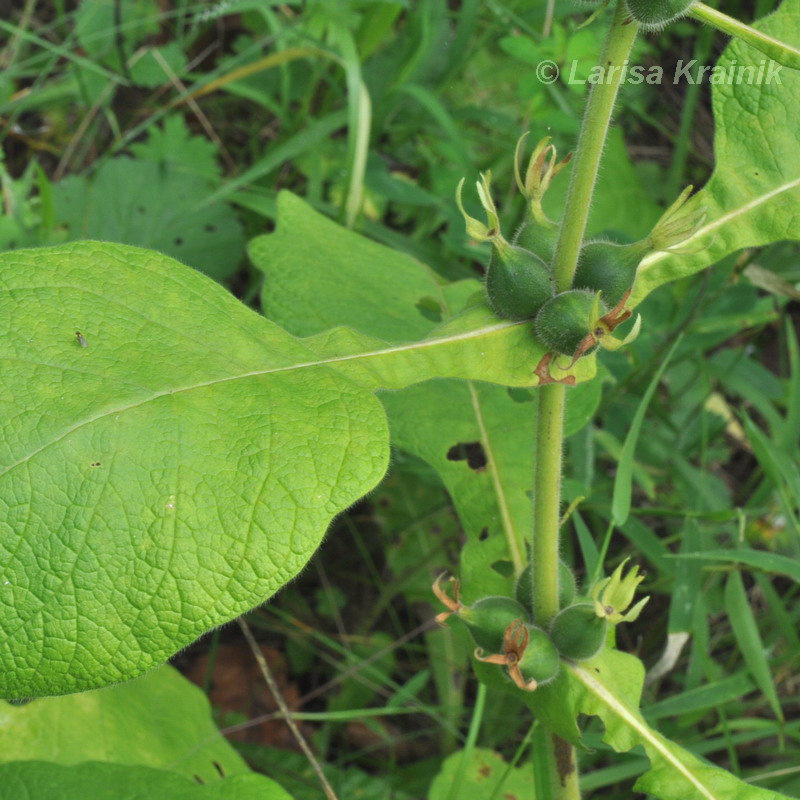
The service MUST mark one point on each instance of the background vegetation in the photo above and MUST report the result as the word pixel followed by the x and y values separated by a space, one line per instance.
pixel 173 125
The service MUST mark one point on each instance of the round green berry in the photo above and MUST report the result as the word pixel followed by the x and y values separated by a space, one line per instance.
pixel 578 632
pixel 655 14
pixel 518 282
pixel 540 661
pixel 489 618
pixel 609 268
pixel 564 322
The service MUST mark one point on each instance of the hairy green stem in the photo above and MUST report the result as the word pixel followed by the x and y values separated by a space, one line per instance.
pixel 546 501
pixel 550 421
pixel 596 118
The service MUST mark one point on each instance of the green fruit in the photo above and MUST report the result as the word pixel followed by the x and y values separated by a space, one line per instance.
pixel 540 661
pixel 658 13
pixel 488 619
pixel 566 584
pixel 523 590
pixel 608 268
pixel 518 282
pixel 565 321
pixel 578 632
pixel 566 587
pixel 537 237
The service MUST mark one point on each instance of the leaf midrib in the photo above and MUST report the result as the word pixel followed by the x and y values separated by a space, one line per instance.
pixel 654 258
pixel 641 728
pixel 420 345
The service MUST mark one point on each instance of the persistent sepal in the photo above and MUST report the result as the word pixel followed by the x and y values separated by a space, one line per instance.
pixel 486 619
pixel 529 655
pixel 476 229
pixel 543 166
pixel 676 225
pixel 538 233
pixel 612 596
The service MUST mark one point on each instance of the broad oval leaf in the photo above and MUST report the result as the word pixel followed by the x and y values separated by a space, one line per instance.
pixel 753 197
pixel 169 459
pixel 164 478
pixel 102 781
pixel 161 720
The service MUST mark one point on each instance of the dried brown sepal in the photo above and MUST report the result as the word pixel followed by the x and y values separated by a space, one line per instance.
pixel 515 641
pixel 604 326
pixel 453 605
pixel 542 372
pixel 617 315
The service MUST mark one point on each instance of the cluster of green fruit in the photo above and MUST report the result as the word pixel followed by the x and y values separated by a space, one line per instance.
pixel 503 627
pixel 519 280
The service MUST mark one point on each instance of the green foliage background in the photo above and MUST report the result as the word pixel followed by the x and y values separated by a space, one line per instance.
pixel 134 504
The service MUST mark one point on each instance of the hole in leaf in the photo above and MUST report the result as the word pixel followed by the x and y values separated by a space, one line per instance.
pixel 483 535
pixel 209 227
pixel 177 240
pixel 471 452
pixel 218 768
pixel 504 568
pixel 520 395
pixel 429 308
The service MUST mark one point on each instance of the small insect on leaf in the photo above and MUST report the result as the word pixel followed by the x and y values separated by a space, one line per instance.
pixel 81 339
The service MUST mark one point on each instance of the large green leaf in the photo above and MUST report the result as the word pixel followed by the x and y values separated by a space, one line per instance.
pixel 173 473
pixel 610 687
pixel 185 463
pixel 480 441
pixel 160 720
pixel 474 345
pixel 754 194
pixel 43 780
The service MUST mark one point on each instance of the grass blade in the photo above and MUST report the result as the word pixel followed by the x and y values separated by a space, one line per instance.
pixel 621 503
pixel 748 638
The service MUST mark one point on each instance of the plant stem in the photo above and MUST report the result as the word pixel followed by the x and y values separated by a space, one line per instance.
pixel 547 501
pixel 550 421
pixel 592 138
